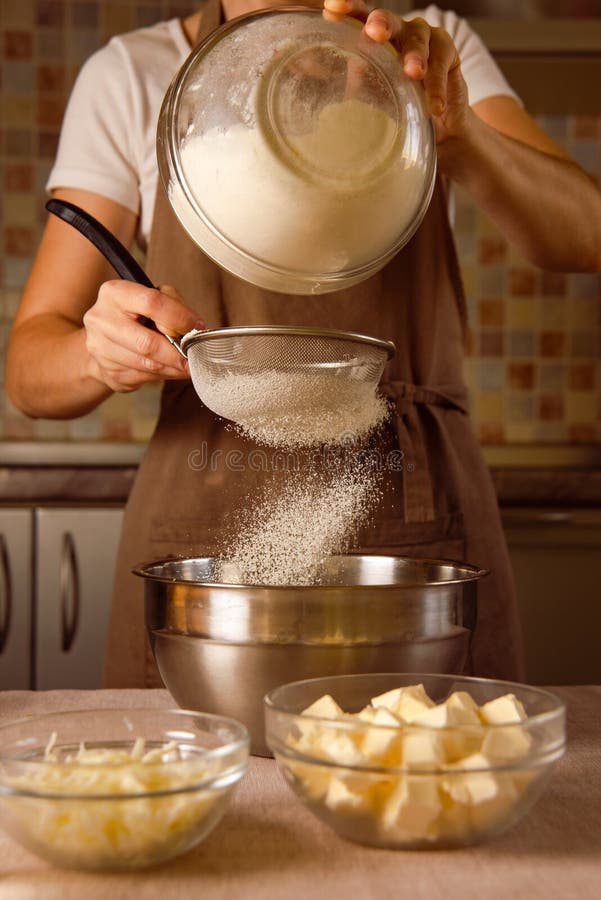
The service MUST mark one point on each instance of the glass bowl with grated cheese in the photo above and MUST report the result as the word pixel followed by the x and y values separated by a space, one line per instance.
pixel 117 789
pixel 415 761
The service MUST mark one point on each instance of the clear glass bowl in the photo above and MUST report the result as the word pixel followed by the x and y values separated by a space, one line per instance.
pixel 400 798
pixel 295 151
pixel 100 812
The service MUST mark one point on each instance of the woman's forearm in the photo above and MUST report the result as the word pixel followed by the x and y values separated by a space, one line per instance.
pixel 49 370
pixel 547 207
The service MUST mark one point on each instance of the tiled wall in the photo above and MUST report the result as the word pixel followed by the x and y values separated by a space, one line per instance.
pixel 534 362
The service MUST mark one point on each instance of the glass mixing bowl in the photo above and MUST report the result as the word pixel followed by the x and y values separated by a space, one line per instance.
pixel 146 786
pixel 418 782
pixel 295 151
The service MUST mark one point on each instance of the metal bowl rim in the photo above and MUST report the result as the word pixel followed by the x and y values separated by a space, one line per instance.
pixel 473 573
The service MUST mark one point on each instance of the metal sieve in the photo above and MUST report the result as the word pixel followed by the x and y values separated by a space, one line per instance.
pixel 228 366
pixel 299 363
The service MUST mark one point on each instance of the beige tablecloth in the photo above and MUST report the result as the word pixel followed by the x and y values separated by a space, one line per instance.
pixel 267 846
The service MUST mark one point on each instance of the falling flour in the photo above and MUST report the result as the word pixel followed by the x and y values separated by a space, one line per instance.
pixel 318 511
pixel 288 537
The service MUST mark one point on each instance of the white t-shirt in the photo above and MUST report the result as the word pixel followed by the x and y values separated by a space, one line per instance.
pixel 108 137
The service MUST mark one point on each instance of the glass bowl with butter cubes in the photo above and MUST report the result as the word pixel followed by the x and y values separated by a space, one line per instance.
pixel 415 761
pixel 117 789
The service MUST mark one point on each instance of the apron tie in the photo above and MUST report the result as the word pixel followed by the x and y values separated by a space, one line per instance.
pixel 418 495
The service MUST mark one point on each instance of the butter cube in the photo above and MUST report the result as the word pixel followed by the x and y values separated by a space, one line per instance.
pixel 468 787
pixel 504 744
pixel 353 794
pixel 324 708
pixel 465 706
pixel 311 735
pixel 314 780
pixel 367 714
pixel 458 738
pixel 489 797
pixel 423 750
pixel 340 748
pixel 440 716
pixel 503 710
pixel 383 745
pixel 412 809
pixel 405 702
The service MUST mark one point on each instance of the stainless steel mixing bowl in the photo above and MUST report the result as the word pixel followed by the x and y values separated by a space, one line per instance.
pixel 221 647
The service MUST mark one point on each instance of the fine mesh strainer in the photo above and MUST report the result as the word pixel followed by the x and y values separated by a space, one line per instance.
pixel 246 371
pixel 260 372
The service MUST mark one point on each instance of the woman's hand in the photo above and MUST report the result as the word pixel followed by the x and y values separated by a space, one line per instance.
pixel 428 55
pixel 124 353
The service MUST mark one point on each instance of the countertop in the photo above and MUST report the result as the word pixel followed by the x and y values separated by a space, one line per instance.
pixel 268 846
pixel 103 473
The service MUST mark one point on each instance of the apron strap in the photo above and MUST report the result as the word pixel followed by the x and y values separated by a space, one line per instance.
pixel 418 495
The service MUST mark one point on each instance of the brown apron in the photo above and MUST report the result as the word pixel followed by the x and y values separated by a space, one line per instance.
pixel 197 473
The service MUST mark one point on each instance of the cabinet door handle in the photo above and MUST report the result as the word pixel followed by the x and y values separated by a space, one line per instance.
pixel 69 592
pixel 6 598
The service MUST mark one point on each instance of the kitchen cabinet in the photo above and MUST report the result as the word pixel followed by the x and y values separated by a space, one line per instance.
pixel 556 558
pixel 56 576
pixel 75 558
pixel 16 558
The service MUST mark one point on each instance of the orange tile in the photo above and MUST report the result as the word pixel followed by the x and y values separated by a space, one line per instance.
pixel 18 177
pixel 50 13
pixel 116 431
pixel 552 343
pixel 522 282
pixel 492 250
pixel 18 241
pixel 51 78
pixel 553 284
pixel 491 433
pixel 47 144
pixel 521 375
pixel 582 433
pixel 17 44
pixel 116 18
pixel 470 342
pixel 581 376
pixel 491 343
pixel 584 126
pixel 550 407
pixel 491 313
pixel 49 111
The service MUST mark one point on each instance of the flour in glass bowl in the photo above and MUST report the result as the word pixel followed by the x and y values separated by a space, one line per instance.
pixel 285 214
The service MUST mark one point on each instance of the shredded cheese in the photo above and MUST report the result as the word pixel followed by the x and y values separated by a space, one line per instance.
pixel 106 807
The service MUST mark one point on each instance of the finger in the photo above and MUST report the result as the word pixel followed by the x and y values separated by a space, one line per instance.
pixel 129 343
pixel 443 58
pixel 382 25
pixel 334 10
pixel 414 46
pixel 122 362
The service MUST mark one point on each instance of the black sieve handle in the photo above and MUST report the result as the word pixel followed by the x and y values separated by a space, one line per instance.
pixel 111 248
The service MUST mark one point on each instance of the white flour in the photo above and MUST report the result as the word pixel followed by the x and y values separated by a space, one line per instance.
pixel 288 536
pixel 293 216
pixel 282 539
pixel 296 409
